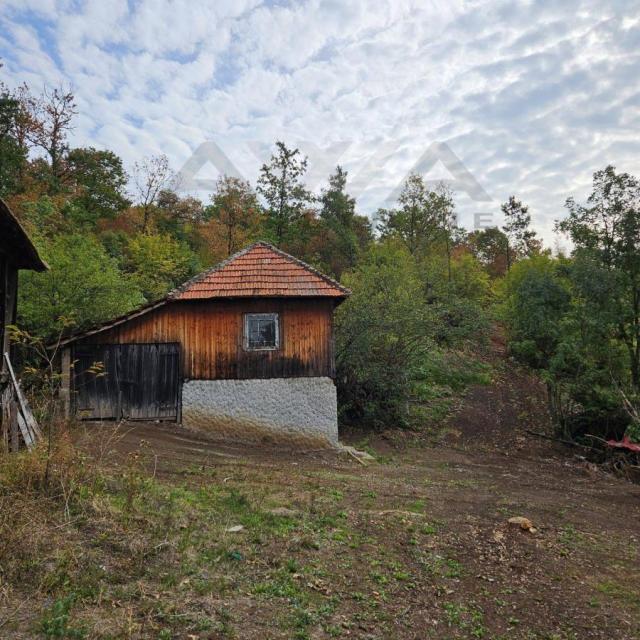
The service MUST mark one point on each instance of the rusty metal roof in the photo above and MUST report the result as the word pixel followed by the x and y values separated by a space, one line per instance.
pixel 260 270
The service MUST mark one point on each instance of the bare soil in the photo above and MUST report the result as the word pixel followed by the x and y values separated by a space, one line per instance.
pixel 417 545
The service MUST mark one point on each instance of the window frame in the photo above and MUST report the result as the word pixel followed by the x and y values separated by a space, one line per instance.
pixel 245 330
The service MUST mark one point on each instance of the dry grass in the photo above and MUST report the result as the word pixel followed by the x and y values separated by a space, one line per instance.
pixel 129 544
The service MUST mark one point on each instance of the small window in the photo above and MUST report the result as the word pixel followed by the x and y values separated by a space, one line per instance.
pixel 261 331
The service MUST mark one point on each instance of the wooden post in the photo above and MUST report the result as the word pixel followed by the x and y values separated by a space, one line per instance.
pixel 65 382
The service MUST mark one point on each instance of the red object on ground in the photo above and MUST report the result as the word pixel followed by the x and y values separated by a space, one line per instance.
pixel 625 443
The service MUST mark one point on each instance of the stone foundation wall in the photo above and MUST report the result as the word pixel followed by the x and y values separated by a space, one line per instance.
pixel 298 409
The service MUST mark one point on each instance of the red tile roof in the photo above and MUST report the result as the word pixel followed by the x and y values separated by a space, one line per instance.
pixel 260 270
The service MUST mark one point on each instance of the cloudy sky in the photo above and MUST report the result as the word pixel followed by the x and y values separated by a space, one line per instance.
pixel 508 97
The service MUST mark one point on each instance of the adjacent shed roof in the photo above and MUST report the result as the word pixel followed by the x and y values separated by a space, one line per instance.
pixel 15 242
pixel 260 270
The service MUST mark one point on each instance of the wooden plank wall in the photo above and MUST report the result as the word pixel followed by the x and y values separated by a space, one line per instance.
pixel 210 333
pixel 8 293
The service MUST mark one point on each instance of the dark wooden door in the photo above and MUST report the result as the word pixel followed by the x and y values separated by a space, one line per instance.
pixel 131 381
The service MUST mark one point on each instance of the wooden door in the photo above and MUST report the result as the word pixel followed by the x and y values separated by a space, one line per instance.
pixel 130 381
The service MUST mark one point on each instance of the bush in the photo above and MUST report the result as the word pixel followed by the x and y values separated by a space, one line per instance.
pixel 383 333
pixel 84 283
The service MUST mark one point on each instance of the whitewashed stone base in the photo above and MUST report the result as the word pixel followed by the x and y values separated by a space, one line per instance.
pixel 299 409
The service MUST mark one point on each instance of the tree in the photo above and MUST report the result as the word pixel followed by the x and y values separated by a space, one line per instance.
pixel 13 156
pixel 99 182
pixel 382 337
pixel 235 206
pixel 150 177
pixel 607 232
pixel 51 118
pixel 280 184
pixel 415 221
pixel 159 263
pixel 490 247
pixel 521 238
pixel 83 283
pixel 344 234
pixel 423 217
pixel 447 220
pixel 179 211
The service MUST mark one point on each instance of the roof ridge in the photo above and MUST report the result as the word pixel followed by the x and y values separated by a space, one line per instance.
pixel 307 266
pixel 259 243
pixel 207 272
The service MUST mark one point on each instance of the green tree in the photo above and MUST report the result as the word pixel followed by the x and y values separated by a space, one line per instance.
pixel 99 182
pixel 383 334
pixel 416 219
pixel 490 246
pixel 175 212
pixel 517 227
pixel 535 301
pixel 559 323
pixel 344 234
pixel 606 231
pixel 424 217
pixel 158 263
pixel 280 184
pixel 83 284
pixel 13 155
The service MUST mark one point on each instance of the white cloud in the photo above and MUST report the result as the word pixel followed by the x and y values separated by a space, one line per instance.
pixel 532 97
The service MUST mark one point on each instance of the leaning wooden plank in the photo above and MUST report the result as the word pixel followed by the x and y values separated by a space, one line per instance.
pixel 27 436
pixel 29 420
pixel 15 429
pixel 10 414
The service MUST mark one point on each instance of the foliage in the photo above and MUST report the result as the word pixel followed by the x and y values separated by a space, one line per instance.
pixel 606 233
pixel 235 206
pixel 13 155
pixel 577 320
pixel 490 247
pixel 84 283
pixel 419 219
pixel 280 184
pixel 344 233
pixel 521 239
pixel 555 329
pixel 99 182
pixel 383 334
pixel 158 263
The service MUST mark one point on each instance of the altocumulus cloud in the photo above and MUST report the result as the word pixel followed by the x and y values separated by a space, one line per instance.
pixel 531 96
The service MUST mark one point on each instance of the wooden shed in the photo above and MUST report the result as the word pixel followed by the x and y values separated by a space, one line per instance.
pixel 16 252
pixel 244 349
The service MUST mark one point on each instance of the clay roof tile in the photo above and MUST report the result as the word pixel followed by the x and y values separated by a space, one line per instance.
pixel 260 270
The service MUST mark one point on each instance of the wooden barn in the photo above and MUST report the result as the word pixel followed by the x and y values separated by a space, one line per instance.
pixel 244 349
pixel 16 252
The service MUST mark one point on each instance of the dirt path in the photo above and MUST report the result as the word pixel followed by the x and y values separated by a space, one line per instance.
pixel 419 544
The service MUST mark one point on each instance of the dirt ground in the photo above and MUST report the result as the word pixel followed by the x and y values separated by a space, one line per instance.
pixel 428 542
pixel 234 541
